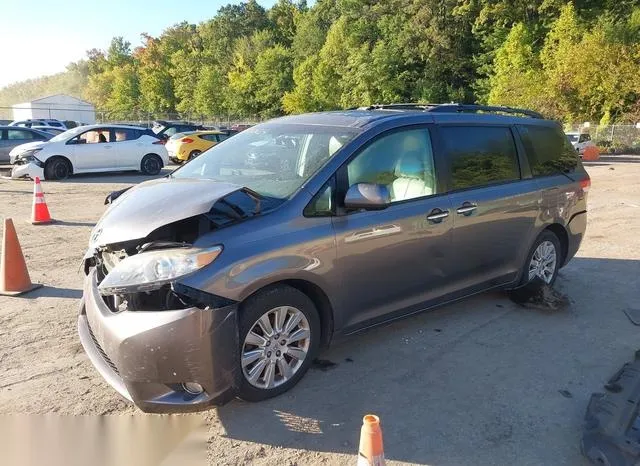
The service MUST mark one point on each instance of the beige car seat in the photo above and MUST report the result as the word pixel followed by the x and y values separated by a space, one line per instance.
pixel 410 171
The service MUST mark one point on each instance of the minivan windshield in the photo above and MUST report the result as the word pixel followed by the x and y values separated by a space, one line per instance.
pixel 272 159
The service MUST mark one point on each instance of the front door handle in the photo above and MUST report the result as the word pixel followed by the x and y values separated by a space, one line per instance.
pixel 437 215
pixel 466 208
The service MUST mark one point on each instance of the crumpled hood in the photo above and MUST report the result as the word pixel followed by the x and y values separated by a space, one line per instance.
pixel 150 205
pixel 24 147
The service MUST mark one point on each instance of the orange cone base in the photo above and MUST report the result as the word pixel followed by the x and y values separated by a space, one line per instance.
pixel 33 286
pixel 42 222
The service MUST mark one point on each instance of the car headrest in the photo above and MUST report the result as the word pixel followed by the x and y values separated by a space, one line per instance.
pixel 410 166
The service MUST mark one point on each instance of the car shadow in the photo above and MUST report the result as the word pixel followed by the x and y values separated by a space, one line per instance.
pixel 47 291
pixel 114 177
pixel 467 383
pixel 73 224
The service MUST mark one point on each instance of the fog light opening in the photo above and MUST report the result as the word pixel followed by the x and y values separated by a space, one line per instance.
pixel 192 388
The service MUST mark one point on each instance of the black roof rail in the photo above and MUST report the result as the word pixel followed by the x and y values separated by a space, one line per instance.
pixel 453 108
pixel 483 108
pixel 398 106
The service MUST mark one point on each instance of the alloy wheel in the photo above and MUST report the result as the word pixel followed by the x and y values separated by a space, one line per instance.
pixel 543 262
pixel 151 165
pixel 275 347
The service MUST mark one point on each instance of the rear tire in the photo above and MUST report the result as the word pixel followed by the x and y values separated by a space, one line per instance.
pixel 544 259
pixel 57 168
pixel 281 349
pixel 151 164
pixel 194 154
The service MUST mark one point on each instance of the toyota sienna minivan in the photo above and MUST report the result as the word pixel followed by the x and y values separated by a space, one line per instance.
pixel 225 277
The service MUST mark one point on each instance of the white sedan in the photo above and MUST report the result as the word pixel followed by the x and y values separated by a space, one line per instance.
pixel 90 149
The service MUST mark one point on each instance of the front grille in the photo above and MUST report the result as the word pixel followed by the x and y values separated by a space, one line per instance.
pixel 101 351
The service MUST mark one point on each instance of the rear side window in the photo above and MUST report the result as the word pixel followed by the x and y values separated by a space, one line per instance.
pixel 13 134
pixel 126 134
pixel 210 137
pixel 549 152
pixel 480 155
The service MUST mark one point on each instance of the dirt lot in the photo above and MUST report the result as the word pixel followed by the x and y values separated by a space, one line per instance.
pixel 477 382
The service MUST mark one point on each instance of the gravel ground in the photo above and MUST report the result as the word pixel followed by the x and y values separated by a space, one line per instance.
pixel 482 381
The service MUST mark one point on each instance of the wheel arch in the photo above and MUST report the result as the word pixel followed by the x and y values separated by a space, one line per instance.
pixel 153 154
pixel 319 298
pixel 561 233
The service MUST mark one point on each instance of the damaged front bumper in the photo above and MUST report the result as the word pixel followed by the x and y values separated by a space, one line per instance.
pixel 149 356
pixel 27 170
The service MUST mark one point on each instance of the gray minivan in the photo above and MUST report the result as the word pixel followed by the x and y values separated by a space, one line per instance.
pixel 226 277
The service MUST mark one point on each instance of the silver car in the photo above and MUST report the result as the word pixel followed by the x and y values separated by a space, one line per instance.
pixel 13 136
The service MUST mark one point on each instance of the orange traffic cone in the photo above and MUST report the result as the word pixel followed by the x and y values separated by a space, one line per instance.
pixel 591 153
pixel 39 211
pixel 371 452
pixel 14 276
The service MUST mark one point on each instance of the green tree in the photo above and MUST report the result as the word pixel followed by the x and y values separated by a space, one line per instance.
pixel 273 77
pixel 123 99
pixel 516 79
pixel 210 91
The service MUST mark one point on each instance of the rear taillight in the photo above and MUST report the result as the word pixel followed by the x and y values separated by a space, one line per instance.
pixel 186 140
pixel 585 184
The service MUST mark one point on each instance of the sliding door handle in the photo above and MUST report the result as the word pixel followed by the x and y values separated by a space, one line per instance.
pixel 466 208
pixel 437 215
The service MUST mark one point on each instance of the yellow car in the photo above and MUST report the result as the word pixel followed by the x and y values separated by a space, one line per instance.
pixel 188 145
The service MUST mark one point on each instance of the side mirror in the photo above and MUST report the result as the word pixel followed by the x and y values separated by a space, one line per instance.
pixel 368 196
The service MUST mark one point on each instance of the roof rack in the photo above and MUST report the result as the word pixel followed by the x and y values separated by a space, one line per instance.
pixel 455 108
pixel 484 108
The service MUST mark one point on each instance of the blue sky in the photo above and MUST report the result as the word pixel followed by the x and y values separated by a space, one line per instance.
pixel 40 37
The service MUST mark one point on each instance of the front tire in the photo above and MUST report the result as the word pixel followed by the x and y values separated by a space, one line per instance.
pixel 279 338
pixel 544 259
pixel 151 164
pixel 57 168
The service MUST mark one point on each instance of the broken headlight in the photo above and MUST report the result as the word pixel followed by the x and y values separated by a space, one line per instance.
pixel 29 157
pixel 150 270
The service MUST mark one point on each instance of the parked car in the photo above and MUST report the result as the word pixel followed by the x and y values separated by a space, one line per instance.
pixel 240 127
pixel 388 211
pixel 90 149
pixel 50 129
pixel 186 146
pixel 580 141
pixel 166 129
pixel 39 122
pixel 12 136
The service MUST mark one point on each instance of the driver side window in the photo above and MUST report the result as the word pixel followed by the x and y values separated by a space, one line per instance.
pixel 94 136
pixel 402 161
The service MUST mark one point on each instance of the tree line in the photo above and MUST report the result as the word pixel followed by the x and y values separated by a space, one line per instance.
pixel 573 60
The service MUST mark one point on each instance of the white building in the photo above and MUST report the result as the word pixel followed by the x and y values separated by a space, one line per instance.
pixel 58 106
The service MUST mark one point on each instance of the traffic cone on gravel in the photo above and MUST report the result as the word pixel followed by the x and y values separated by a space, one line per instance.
pixel 14 276
pixel 591 153
pixel 371 452
pixel 39 211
